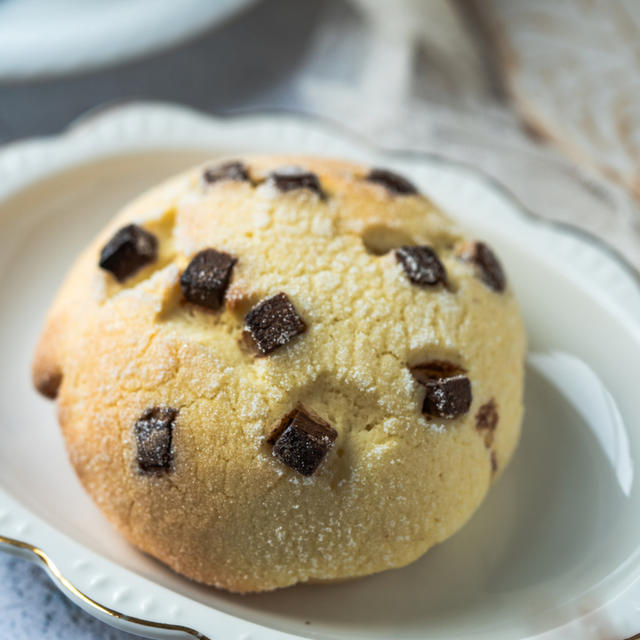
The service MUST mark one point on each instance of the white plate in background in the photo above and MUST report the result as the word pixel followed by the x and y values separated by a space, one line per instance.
pixel 553 553
pixel 52 37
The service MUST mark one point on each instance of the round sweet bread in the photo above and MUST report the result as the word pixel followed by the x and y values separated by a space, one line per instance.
pixel 274 370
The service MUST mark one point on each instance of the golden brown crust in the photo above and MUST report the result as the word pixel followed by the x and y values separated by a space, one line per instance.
pixel 230 514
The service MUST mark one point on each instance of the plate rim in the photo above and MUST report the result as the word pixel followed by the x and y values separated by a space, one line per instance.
pixel 40 557
pixel 15 154
pixel 84 122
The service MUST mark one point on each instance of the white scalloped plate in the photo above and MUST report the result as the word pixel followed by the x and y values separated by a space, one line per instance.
pixel 553 553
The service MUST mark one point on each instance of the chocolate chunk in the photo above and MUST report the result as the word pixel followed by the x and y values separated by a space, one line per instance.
pixel 48 383
pixel 494 462
pixel 130 249
pixel 272 323
pixel 422 265
pixel 448 392
pixel 487 421
pixel 391 181
pixel 487 416
pixel 290 178
pixel 489 268
pixel 302 440
pixel 227 171
pixel 447 397
pixel 206 279
pixel 154 431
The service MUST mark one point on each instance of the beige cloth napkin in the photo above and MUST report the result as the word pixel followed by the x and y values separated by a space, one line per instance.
pixel 429 82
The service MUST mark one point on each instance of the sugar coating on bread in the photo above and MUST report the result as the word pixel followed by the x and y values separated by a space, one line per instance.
pixel 334 411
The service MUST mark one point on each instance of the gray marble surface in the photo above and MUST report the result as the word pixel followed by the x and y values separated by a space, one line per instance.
pixel 32 607
pixel 316 57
